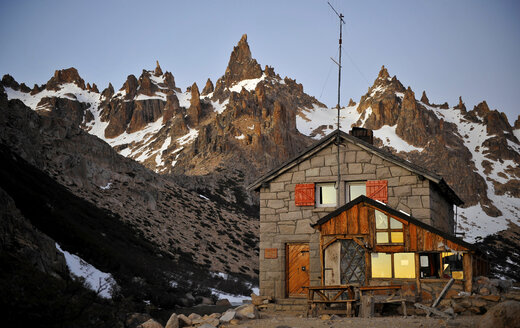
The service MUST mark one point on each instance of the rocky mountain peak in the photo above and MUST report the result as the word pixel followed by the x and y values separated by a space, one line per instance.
pixel 242 65
pixel 208 88
pixel 481 109
pixel 147 87
pixel 69 75
pixel 517 123
pixel 108 92
pixel 130 86
pixel 383 73
pixel 461 105
pixel 424 98
pixel 158 71
pixel 9 82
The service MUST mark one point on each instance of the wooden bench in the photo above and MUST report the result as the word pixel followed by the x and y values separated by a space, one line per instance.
pixel 327 301
pixel 371 295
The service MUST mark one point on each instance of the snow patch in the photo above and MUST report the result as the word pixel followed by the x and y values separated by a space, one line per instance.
pixel 240 137
pixel 246 84
pixel 106 187
pixel 390 138
pixel 189 137
pixel 97 280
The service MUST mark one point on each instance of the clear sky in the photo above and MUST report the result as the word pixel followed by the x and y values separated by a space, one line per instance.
pixel 448 48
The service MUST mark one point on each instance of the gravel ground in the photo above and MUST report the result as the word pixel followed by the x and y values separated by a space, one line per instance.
pixel 281 320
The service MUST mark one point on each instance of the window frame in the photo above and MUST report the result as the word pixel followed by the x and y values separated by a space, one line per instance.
pixel 392 264
pixel 317 194
pixel 388 230
pixel 347 188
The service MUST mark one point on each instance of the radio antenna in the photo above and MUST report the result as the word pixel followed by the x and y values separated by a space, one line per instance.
pixel 341 22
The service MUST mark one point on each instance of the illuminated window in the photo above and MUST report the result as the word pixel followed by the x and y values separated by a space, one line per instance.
pixel 381 265
pixel 325 195
pixel 403 265
pixel 388 229
pixel 356 189
pixel 452 265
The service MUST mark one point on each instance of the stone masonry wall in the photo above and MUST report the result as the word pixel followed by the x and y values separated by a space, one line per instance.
pixel 282 222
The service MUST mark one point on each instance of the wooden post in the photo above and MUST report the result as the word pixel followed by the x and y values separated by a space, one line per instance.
pixel 467 267
pixel 418 273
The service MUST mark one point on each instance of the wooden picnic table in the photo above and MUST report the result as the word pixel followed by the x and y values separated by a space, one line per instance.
pixel 327 297
pixel 371 295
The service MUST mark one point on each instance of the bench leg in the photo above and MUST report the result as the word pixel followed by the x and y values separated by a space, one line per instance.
pixel 404 308
pixel 349 309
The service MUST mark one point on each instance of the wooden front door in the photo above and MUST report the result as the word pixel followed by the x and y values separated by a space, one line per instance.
pixel 297 269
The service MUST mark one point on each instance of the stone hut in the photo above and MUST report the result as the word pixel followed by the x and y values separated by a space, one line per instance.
pixel 382 220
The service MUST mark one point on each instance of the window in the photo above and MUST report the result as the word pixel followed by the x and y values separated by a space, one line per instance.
pixel 394 265
pixel 325 195
pixel 388 229
pixel 355 189
pixel 429 265
pixel 452 265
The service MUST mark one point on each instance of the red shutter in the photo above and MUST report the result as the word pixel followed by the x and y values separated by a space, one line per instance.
pixel 304 194
pixel 378 190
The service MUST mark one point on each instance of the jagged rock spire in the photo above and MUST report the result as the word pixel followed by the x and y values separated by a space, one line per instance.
pixel 383 73
pixel 69 75
pixel 461 105
pixel 424 98
pixel 241 65
pixel 208 88
pixel 158 70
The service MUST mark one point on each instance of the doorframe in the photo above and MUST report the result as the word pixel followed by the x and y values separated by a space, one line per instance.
pixel 286 280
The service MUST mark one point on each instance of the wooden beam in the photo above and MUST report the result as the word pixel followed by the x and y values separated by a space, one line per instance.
pixel 429 310
pixel 441 295
pixel 467 267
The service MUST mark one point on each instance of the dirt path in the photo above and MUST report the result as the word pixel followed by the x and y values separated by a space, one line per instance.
pixel 279 320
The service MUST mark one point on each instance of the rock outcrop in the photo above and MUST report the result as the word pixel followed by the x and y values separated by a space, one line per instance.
pixel 69 75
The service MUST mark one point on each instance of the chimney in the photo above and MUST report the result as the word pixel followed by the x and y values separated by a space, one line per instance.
pixel 364 134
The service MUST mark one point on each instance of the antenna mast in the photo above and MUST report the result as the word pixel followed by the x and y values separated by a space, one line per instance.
pixel 341 22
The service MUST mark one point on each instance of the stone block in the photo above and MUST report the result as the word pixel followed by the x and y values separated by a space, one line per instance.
pixel 271 218
pixel 267 210
pixel 325 171
pixel 349 157
pixel 304 226
pixel 383 173
pixel 376 160
pixel 403 207
pixel 286 228
pixel 304 165
pixel 268 227
pixel 275 203
pixel 355 168
pixel 283 209
pixel 398 171
pixel 363 157
pixel 402 191
pixel 420 191
pixel 408 180
pixel 284 177
pixel 312 172
pixel 298 177
pixel 393 182
pixel 291 216
pixel 277 186
pixel 369 168
pixel 415 202
pixel 425 201
pixel 267 195
pixel 331 160
pixel 318 161
pixel 420 213
pixel 283 195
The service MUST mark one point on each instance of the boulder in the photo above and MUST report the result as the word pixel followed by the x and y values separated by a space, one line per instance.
pixel 194 316
pixel 228 316
pixel 505 314
pixel 184 320
pixel 247 311
pixel 223 302
pixel 259 300
pixel 150 324
pixel 173 322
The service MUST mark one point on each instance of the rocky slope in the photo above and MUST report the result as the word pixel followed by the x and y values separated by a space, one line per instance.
pixel 82 180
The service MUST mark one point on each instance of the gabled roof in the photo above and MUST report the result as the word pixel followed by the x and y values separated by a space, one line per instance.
pixel 331 138
pixel 383 207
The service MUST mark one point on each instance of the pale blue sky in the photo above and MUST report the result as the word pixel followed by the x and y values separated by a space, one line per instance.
pixel 448 48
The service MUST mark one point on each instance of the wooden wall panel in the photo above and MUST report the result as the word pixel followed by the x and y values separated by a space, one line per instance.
pixel 413 237
pixel 352 222
pixel 428 240
pixel 363 220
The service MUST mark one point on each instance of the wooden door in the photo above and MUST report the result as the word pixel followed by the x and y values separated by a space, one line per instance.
pixel 297 269
pixel 352 265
